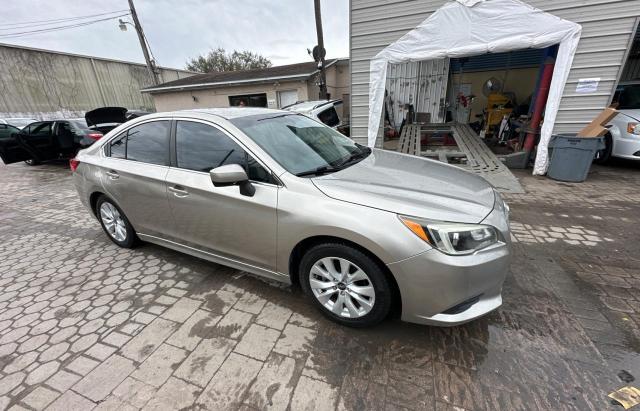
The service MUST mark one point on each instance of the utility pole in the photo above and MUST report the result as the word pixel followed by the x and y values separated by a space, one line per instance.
pixel 143 43
pixel 321 51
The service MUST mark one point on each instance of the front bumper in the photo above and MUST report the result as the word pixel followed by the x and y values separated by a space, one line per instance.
pixel 445 290
pixel 627 147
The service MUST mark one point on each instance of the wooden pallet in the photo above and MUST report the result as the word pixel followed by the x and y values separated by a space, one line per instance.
pixel 410 140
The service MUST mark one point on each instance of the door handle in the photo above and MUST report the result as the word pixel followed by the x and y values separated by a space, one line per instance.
pixel 112 175
pixel 178 191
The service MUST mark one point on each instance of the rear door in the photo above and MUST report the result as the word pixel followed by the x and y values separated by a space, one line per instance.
pixel 133 175
pixel 10 150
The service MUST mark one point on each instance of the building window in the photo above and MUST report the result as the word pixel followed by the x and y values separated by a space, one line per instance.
pixel 249 100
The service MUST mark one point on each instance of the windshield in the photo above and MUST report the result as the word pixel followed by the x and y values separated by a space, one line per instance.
pixel 627 97
pixel 298 143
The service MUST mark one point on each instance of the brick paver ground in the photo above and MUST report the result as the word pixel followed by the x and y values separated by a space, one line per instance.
pixel 86 325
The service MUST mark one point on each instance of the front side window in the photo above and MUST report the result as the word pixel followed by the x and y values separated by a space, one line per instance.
pixel 300 144
pixel 41 130
pixel 147 143
pixel 201 147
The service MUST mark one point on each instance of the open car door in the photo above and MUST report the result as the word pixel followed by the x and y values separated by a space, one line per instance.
pixel 34 142
pixel 10 149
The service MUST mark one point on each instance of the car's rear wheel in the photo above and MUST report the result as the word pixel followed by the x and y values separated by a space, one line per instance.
pixel 347 285
pixel 115 224
pixel 32 162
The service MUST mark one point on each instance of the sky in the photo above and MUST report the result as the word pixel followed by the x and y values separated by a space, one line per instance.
pixel 177 30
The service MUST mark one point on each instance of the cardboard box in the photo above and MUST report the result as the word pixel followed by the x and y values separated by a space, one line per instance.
pixel 597 127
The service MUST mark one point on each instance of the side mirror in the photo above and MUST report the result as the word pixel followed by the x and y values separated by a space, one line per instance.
pixel 232 174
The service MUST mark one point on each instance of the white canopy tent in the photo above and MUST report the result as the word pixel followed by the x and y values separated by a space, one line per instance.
pixel 474 27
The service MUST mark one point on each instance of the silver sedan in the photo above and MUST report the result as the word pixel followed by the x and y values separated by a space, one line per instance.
pixel 364 232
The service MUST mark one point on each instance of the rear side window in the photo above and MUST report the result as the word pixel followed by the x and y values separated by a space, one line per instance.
pixel 118 148
pixel 40 130
pixel 147 143
pixel 201 147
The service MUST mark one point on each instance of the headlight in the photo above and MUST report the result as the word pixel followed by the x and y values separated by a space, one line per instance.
pixel 633 128
pixel 453 238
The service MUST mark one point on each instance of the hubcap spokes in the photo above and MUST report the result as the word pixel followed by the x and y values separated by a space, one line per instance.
pixel 113 222
pixel 342 287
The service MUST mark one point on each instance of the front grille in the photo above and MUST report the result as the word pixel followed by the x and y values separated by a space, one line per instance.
pixel 463 306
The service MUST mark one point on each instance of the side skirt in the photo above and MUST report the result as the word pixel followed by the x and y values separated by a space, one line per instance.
pixel 215 258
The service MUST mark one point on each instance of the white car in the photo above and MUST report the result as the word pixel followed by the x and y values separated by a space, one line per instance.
pixel 18 122
pixel 623 139
pixel 327 111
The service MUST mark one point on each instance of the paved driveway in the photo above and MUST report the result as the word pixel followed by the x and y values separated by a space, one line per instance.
pixel 84 324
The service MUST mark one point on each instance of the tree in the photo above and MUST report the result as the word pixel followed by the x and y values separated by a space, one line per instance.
pixel 219 60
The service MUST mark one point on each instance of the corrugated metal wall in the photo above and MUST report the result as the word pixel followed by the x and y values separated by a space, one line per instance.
pixel 608 28
pixel 44 85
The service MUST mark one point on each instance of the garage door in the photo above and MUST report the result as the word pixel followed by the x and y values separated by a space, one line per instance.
pixel 287 97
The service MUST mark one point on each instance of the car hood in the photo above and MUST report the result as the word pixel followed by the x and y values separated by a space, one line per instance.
pixel 412 186
pixel 106 115
pixel 633 113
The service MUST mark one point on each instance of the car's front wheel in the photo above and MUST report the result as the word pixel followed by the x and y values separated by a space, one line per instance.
pixel 115 223
pixel 603 156
pixel 347 285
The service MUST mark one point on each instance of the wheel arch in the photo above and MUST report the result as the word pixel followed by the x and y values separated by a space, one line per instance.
pixel 93 201
pixel 306 244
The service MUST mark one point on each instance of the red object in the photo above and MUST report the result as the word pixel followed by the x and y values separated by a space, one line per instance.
pixel 73 164
pixel 95 136
pixel 541 103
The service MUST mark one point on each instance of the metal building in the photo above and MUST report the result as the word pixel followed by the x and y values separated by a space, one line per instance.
pixel 45 84
pixel 609 27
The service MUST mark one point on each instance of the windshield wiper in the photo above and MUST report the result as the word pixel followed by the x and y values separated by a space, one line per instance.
pixel 318 171
pixel 363 153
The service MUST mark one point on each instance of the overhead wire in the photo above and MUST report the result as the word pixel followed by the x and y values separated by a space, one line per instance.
pixel 18 25
pixel 58 28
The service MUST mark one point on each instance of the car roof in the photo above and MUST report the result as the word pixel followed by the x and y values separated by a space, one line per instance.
pixel 229 113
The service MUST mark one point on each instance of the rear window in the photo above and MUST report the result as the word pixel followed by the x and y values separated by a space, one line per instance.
pixel 329 117
pixel 627 97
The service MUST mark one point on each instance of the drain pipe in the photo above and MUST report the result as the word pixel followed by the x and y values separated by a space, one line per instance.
pixel 540 104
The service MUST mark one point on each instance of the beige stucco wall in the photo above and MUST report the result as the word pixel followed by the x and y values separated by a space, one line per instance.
pixel 219 97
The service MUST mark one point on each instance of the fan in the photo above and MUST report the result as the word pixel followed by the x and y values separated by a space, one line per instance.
pixel 492 85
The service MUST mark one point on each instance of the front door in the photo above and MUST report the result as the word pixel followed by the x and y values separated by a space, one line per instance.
pixel 134 172
pixel 34 142
pixel 220 219
pixel 10 150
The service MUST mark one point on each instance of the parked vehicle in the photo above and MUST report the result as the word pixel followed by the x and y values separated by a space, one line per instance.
pixel 324 110
pixel 18 122
pixel 623 139
pixel 47 140
pixel 283 196
pixel 105 119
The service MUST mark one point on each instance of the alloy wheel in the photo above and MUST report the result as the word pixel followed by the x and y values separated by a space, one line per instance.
pixel 342 287
pixel 113 222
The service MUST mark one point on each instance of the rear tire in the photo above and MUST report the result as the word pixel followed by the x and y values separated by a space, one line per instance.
pixel 604 156
pixel 115 224
pixel 345 284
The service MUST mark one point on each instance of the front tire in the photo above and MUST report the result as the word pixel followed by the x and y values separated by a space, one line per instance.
pixel 604 156
pixel 115 224
pixel 345 284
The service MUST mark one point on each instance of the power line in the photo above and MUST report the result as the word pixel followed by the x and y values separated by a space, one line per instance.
pixel 60 20
pixel 58 28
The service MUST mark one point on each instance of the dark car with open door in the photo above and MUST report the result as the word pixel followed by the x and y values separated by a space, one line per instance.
pixel 47 140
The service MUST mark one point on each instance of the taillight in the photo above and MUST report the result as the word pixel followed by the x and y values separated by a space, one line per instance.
pixel 73 164
pixel 95 136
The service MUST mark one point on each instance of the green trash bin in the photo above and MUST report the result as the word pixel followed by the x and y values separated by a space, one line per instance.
pixel 571 156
